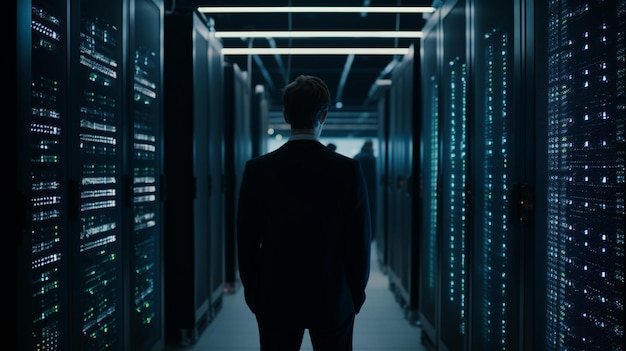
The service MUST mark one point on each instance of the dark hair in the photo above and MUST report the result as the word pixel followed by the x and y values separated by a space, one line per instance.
pixel 304 101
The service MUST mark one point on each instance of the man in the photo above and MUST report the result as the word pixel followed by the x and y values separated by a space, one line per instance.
pixel 368 164
pixel 303 232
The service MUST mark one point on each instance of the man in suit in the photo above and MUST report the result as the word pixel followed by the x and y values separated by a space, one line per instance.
pixel 303 232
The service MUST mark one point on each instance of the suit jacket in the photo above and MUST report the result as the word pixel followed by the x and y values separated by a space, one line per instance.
pixel 303 235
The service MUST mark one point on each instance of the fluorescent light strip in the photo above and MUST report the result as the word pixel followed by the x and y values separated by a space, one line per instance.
pixel 315 51
pixel 319 34
pixel 316 9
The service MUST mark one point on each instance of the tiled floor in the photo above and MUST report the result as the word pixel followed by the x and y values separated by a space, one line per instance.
pixel 380 326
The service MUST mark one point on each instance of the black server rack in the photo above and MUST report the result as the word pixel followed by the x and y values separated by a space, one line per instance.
pixel 191 123
pixel 96 177
pixel 216 97
pixel 429 180
pixel 499 177
pixel 523 166
pixel 238 150
pixel 75 252
pixel 454 167
pixel 144 195
pixel 472 176
pixel 380 234
pixel 42 178
pixel 402 231
pixel 582 227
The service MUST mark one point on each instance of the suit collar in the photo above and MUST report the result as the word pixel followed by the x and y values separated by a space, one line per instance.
pixel 303 137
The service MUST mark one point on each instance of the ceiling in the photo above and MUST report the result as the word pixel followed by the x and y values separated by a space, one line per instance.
pixel 351 78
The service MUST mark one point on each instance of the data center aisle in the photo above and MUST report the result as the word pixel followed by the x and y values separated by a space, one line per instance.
pixel 380 326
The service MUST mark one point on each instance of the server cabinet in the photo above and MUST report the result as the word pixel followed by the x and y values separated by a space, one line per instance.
pixel 403 267
pixel 499 177
pixel 144 195
pixel 529 216
pixel 238 144
pixel 190 81
pixel 380 233
pixel 454 167
pixel 75 252
pixel 581 229
pixel 42 178
pixel 96 179
pixel 216 96
pixel 429 181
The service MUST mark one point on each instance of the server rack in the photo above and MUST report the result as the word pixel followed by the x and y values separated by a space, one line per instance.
pixel 402 233
pixel 237 133
pixel 430 181
pixel 96 176
pixel 216 96
pixel 454 168
pixel 42 161
pixel 500 134
pixel 144 195
pixel 193 229
pixel 473 177
pixel 380 233
pixel 527 253
pixel 75 287
pixel 582 129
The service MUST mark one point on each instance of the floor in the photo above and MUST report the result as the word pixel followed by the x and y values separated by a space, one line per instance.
pixel 380 326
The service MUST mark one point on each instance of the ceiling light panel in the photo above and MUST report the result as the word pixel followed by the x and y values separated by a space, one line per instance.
pixel 315 51
pixel 315 9
pixel 319 34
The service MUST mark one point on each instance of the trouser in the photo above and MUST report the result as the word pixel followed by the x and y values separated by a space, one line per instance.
pixel 285 336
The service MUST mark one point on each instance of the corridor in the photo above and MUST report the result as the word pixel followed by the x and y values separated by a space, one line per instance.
pixel 380 326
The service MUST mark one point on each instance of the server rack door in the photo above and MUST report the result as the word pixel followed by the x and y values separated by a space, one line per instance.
pixel 201 169
pixel 403 263
pixel 414 173
pixel 380 234
pixel 230 179
pixel 497 177
pixel 145 255
pixel 242 131
pixel 429 180
pixel 238 151
pixel 454 170
pixel 42 183
pixel 216 165
pixel 397 148
pixel 394 261
pixel 582 229
pixel 186 165
pixel 96 179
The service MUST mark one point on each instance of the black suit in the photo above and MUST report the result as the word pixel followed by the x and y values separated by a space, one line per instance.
pixel 303 237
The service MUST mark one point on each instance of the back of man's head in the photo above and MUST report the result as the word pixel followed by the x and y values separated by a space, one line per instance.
pixel 304 100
